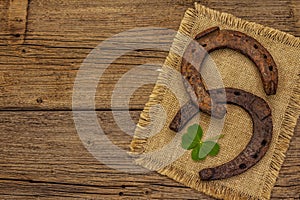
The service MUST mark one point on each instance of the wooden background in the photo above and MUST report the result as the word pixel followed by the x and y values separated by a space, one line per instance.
pixel 42 46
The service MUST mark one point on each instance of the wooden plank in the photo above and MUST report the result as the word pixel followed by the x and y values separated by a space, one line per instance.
pixel 122 190
pixel 4 5
pixel 42 156
pixel 48 76
pixel 17 20
pixel 59 38
pixel 276 14
pixel 295 13
pixel 119 15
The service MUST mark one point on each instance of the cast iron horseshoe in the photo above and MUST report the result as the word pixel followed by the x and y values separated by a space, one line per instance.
pixel 257 147
pixel 213 39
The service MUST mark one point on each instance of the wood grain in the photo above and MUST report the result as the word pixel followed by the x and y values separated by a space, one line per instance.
pixel 45 157
pixel 42 155
pixel 17 18
pixel 59 38
pixel 295 14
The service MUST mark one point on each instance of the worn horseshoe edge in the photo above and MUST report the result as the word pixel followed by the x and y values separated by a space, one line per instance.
pixel 261 115
pixel 213 39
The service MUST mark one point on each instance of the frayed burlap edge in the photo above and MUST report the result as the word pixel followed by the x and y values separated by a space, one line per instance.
pixel 139 142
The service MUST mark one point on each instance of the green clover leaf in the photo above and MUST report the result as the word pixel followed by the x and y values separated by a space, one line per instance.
pixel 195 153
pixel 200 149
pixel 192 138
pixel 215 150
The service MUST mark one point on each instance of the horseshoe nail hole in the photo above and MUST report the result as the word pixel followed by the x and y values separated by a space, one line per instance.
pixel 204 45
pixel 23 51
pixel 271 68
pixel 121 193
pixel 264 142
pixel 265 56
pixel 255 156
pixel 255 46
pixel 237 93
pixel 242 166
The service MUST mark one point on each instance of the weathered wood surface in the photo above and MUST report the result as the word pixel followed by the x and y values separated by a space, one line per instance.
pixel 42 46
pixel 42 155
pixel 60 34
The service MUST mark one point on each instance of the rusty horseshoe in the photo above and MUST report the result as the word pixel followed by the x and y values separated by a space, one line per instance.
pixel 261 138
pixel 213 39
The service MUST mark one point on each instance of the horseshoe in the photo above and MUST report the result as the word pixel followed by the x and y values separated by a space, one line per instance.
pixel 257 147
pixel 213 39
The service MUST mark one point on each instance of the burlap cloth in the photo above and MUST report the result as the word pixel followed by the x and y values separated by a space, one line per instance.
pixel 158 150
